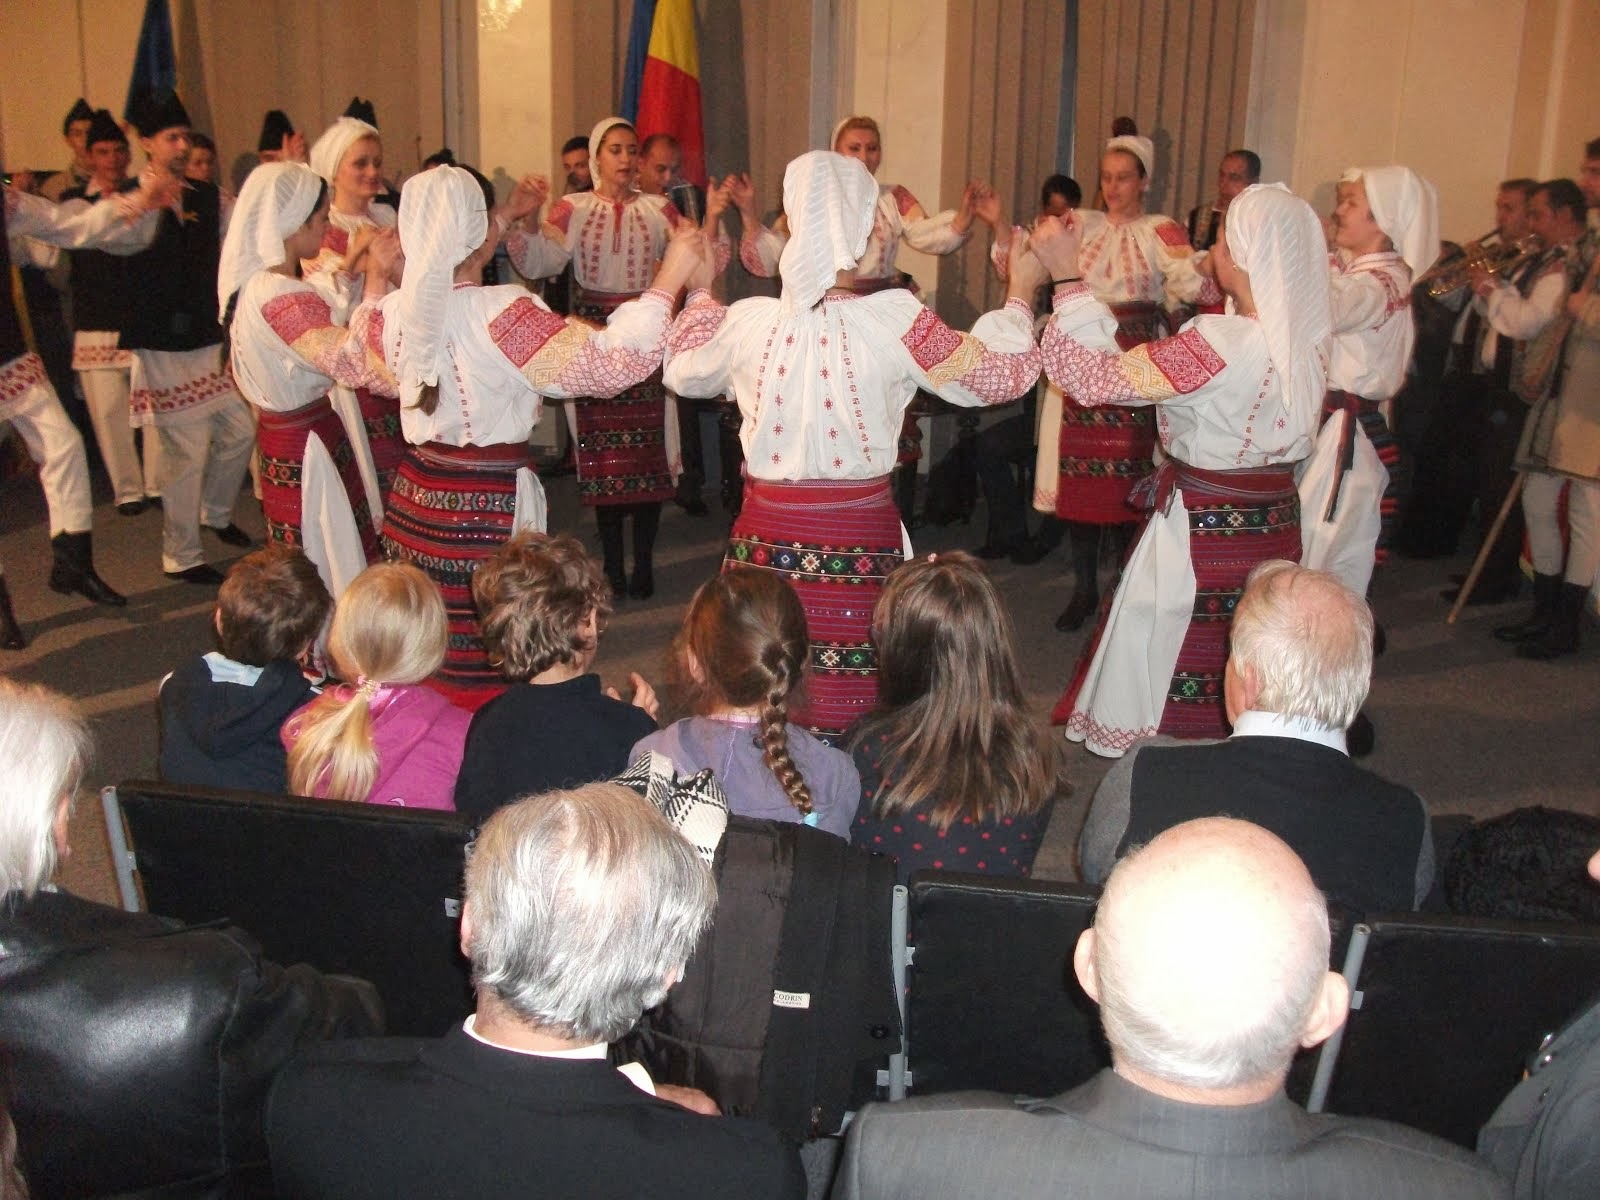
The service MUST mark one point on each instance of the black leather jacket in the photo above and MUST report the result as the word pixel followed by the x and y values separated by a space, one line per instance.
pixel 138 1051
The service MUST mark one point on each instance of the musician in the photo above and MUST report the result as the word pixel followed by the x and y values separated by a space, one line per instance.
pixel 1455 457
pixel 1560 447
pixel 1237 171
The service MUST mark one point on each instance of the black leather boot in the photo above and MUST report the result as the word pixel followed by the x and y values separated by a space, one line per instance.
pixel 1085 545
pixel 10 632
pixel 646 520
pixel 1546 599
pixel 1561 638
pixel 73 570
pixel 608 518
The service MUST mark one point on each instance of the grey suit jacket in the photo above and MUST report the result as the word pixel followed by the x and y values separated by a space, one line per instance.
pixel 1111 1138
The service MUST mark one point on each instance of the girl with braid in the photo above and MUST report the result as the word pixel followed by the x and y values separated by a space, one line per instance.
pixel 739 656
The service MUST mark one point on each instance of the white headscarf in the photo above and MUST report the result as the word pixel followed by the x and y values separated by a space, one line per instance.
pixel 831 201
pixel 443 219
pixel 277 198
pixel 598 135
pixel 833 141
pixel 1274 235
pixel 1137 145
pixel 336 140
pixel 1406 207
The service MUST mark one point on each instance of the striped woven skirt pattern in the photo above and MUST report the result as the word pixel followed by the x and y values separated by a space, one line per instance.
pixel 1106 450
pixel 1237 519
pixel 281 438
pixel 450 508
pixel 835 542
pixel 622 442
pixel 380 416
pixel 1369 416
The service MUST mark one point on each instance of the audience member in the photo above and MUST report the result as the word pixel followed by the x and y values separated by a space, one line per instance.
pixel 221 712
pixel 543 602
pixel 1299 666
pixel 741 653
pixel 382 737
pixel 139 1050
pixel 955 773
pixel 581 910
pixel 1209 960
pixel 1541 1137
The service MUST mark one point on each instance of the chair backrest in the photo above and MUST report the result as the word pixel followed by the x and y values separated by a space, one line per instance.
pixel 992 1001
pixel 355 889
pixel 1446 1011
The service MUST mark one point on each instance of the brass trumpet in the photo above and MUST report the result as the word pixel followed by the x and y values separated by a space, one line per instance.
pixel 1502 258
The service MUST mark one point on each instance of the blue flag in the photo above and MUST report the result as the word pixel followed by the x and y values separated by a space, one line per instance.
pixel 155 63
pixel 644 18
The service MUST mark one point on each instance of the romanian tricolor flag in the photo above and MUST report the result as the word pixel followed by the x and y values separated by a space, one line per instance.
pixel 668 91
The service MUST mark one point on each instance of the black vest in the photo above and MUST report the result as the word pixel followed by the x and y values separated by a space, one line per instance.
pixel 103 290
pixel 12 343
pixel 175 280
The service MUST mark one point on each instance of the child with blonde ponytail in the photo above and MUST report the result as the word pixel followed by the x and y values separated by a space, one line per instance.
pixel 382 737
pixel 740 654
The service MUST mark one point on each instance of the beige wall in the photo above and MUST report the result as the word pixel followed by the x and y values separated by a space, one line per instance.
pixel 235 61
pixel 1468 92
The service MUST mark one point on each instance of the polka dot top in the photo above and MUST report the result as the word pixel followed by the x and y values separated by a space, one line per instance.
pixel 1006 846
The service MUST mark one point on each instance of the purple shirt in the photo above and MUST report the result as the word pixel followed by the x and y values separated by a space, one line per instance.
pixel 732 750
pixel 419 736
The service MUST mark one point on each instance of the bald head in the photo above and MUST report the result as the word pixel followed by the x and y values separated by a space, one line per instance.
pixel 1209 958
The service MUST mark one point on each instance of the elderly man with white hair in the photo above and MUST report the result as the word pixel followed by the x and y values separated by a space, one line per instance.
pixel 1299 666
pixel 581 910
pixel 1209 960
pixel 137 1051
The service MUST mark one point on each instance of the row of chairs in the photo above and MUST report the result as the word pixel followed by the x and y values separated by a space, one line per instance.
pixel 1444 1009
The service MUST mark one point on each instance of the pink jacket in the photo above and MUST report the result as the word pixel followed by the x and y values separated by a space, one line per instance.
pixel 420 736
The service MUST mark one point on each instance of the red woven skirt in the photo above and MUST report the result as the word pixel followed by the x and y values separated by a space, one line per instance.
pixel 835 543
pixel 450 508
pixel 1237 519
pixel 1108 449
pixel 622 442
pixel 282 437
pixel 1369 416
pixel 380 416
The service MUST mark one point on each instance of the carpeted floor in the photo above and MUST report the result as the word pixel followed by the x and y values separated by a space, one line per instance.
pixel 1472 728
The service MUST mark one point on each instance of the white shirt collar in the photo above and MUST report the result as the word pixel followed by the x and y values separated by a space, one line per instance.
pixel 1265 724
pixel 225 670
pixel 633 1072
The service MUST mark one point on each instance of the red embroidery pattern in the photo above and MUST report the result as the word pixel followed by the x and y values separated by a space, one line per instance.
pixel 603 374
pixel 184 397
pixel 375 334
pixel 930 340
pixel 904 201
pixel 1173 234
pixel 295 314
pixel 694 327
pixel 750 256
pixel 100 358
pixel 561 215
pixel 1101 734
pixel 522 328
pixel 1187 360
pixel 21 374
pixel 337 240
pixel 999 376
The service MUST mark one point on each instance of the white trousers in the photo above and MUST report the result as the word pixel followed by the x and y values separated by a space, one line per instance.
pixel 54 444
pixel 105 391
pixel 1541 500
pixel 204 459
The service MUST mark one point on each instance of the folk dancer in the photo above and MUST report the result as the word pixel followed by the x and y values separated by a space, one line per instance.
pixel 822 377
pixel 126 223
pixel 1141 265
pixel 1236 400
pixel 179 383
pixel 614 237
pixel 286 352
pixel 473 365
